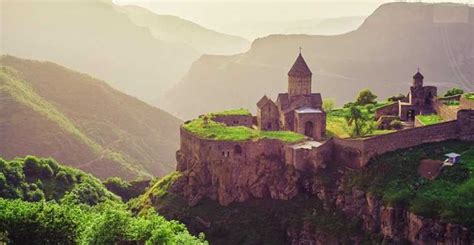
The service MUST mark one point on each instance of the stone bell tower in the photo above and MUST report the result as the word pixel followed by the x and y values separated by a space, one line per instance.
pixel 299 78
pixel 418 80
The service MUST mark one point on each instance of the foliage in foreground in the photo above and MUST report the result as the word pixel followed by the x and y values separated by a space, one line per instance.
pixel 394 177
pixel 107 223
pixel 34 179
pixel 42 202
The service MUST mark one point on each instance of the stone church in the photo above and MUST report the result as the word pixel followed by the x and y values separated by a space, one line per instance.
pixel 300 110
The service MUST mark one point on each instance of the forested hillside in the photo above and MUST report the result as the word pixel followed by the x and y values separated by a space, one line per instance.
pixel 50 111
pixel 42 202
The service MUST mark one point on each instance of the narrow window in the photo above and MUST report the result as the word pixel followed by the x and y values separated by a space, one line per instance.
pixel 237 149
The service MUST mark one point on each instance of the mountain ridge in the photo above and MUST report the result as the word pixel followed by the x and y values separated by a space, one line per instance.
pixel 100 39
pixel 382 54
pixel 74 112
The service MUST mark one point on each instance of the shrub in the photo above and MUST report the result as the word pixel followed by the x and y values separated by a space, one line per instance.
pixel 396 98
pixel 328 105
pixel 453 91
pixel 31 166
pixel 396 124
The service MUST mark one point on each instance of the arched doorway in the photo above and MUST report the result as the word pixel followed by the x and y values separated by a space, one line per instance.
pixel 238 149
pixel 308 129
pixel 411 115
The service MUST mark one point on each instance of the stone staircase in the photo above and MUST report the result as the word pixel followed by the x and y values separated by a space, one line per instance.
pixel 408 124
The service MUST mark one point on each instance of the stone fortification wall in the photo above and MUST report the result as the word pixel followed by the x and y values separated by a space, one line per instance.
pixel 465 124
pixel 388 110
pixel 448 113
pixel 356 153
pixel 309 159
pixel 465 103
pixel 229 171
pixel 235 120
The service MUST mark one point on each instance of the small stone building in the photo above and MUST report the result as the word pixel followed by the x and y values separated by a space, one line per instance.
pixel 419 101
pixel 298 110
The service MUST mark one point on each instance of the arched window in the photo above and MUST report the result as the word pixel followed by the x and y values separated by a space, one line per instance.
pixel 238 149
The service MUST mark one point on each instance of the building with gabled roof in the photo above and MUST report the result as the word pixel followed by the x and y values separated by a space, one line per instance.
pixel 299 110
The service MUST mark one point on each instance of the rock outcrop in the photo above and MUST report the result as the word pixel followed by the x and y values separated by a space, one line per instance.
pixel 230 181
pixel 236 171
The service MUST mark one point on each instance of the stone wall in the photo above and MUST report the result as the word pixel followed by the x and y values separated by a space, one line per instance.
pixel 388 110
pixel 465 124
pixel 235 120
pixel 356 153
pixel 465 103
pixel 448 113
pixel 418 123
pixel 229 171
pixel 309 159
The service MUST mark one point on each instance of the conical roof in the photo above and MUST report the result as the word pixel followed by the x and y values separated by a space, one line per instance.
pixel 418 75
pixel 300 68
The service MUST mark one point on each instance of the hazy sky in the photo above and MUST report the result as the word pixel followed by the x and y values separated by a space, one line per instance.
pixel 235 17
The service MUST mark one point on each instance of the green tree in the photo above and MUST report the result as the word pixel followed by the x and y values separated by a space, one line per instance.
pixel 366 97
pixel 453 91
pixel 328 105
pixel 359 123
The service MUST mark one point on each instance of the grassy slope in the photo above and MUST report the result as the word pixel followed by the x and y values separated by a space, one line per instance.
pixel 336 124
pixel 12 84
pixel 394 177
pixel 115 128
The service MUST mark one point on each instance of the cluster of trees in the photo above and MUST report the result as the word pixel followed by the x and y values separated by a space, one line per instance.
pixel 23 222
pixel 33 179
pixel 42 202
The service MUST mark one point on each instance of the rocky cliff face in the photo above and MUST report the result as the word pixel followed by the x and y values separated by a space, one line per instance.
pixel 393 224
pixel 236 181
pixel 268 177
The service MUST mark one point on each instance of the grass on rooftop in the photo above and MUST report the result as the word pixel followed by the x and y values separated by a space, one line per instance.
pixel 429 119
pixel 469 96
pixel 219 131
pixel 451 103
pixel 235 112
